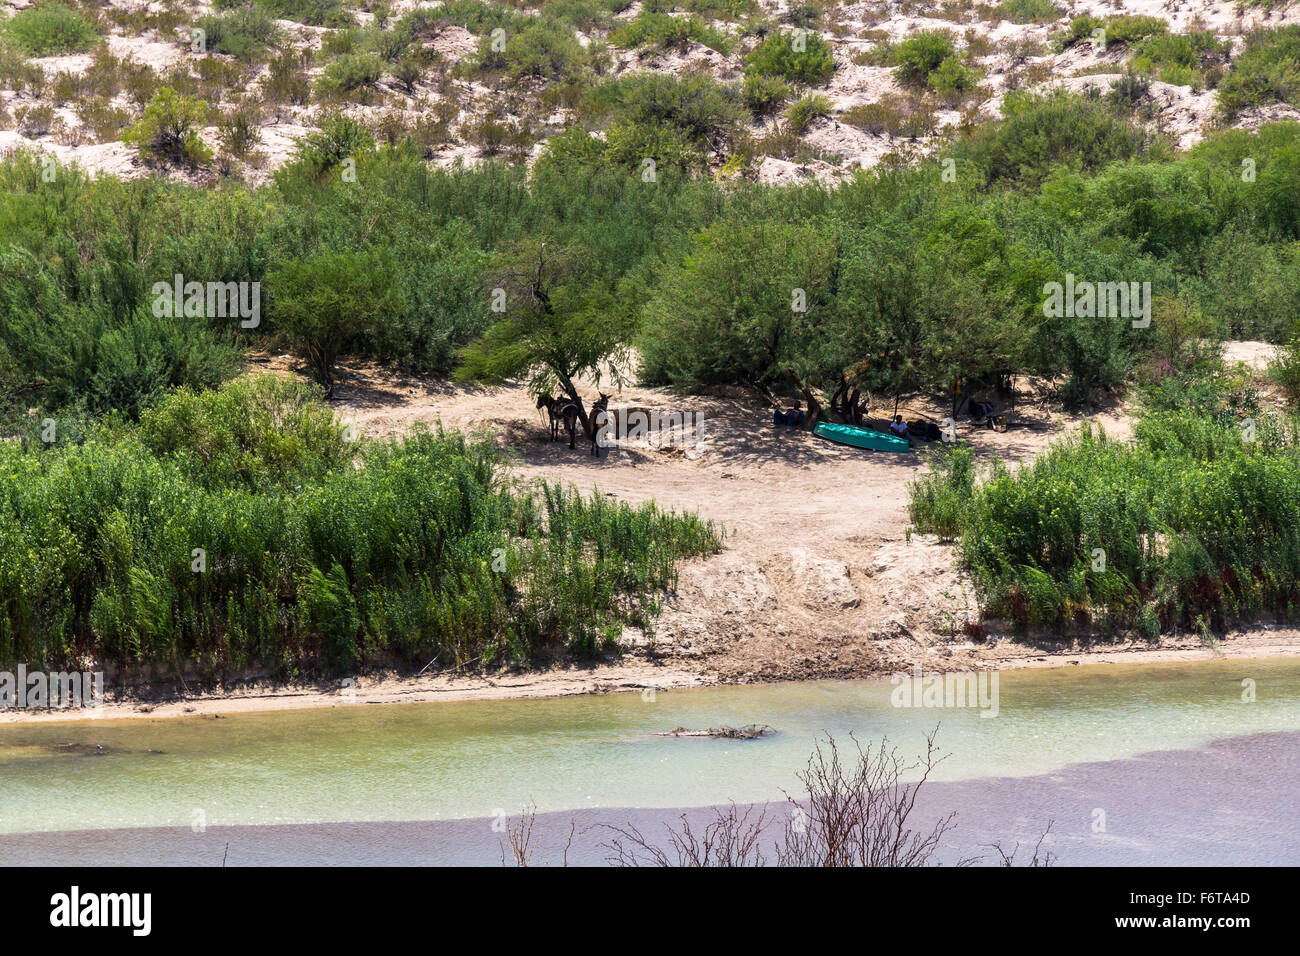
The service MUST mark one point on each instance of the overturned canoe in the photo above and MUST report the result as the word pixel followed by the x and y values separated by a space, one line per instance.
pixel 860 437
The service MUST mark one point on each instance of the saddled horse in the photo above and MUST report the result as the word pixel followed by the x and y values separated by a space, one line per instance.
pixel 562 410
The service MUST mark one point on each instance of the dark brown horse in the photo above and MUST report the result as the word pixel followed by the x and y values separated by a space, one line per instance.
pixel 599 419
pixel 561 410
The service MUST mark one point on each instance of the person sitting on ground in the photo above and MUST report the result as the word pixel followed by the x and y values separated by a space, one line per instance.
pixel 981 410
pixel 899 427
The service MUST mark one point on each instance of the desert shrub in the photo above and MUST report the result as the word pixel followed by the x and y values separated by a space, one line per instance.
pixel 316 13
pixel 803 112
pixel 659 31
pixel 763 95
pixel 665 114
pixel 16 71
pixel 540 49
pixel 1129 89
pixel 103 121
pixel 337 137
pixel 350 72
pixel 168 129
pixel 239 129
pixel 242 32
pixel 1177 57
pixel 952 78
pixel 51 29
pixel 1080 30
pixel 1130 29
pixel 285 81
pixel 918 56
pixel 898 115
pixel 1044 132
pixel 1266 71
pixel 1027 11
pixel 777 56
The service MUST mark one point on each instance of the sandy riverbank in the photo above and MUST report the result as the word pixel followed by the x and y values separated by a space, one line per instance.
pixel 629 677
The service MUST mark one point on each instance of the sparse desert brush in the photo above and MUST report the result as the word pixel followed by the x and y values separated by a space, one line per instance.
pixel 918 56
pixel 1266 71
pixel 103 121
pixel 244 32
pixel 812 106
pixel 351 76
pixel 802 58
pixel 286 80
pixel 168 129
pixel 764 95
pixel 16 71
pixel 34 120
pixel 239 128
pixel 1023 11
pixel 50 29
pixel 905 114
pixel 317 13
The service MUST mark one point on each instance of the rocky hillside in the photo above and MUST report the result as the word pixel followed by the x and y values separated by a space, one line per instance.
pixel 771 91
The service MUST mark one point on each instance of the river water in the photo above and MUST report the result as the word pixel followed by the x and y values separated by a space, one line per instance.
pixel 458 761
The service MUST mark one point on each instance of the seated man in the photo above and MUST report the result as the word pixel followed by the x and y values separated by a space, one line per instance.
pixel 899 427
pixel 981 410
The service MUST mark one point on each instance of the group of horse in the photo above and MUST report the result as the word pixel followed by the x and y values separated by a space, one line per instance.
pixel 567 411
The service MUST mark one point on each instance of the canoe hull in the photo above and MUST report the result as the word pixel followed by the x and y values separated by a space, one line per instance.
pixel 860 437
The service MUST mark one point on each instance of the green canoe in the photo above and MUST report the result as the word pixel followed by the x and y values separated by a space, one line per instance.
pixel 860 437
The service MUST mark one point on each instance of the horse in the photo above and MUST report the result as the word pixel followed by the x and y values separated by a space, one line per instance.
pixel 560 410
pixel 599 419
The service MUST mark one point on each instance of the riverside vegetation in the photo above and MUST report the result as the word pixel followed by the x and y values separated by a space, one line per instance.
pixel 332 554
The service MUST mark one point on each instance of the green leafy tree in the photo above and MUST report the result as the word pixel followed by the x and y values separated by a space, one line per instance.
pixel 321 305
pixel 559 322
pixel 749 305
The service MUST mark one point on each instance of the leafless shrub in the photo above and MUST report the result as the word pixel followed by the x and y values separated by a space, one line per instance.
pixel 1044 860
pixel 519 845
pixel 857 814
pixel 731 838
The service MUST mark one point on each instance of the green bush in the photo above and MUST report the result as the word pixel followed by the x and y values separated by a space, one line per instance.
pixel 1133 28
pixel 1042 133
pixel 1266 71
pixel 168 129
pixel 316 13
pixel 1097 531
pixel 16 71
pixel 320 555
pixel 1028 11
pixel 663 32
pixel 51 29
pixel 777 56
pixel 918 56
pixel 763 95
pixel 350 72
pixel 802 113
pixel 241 32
